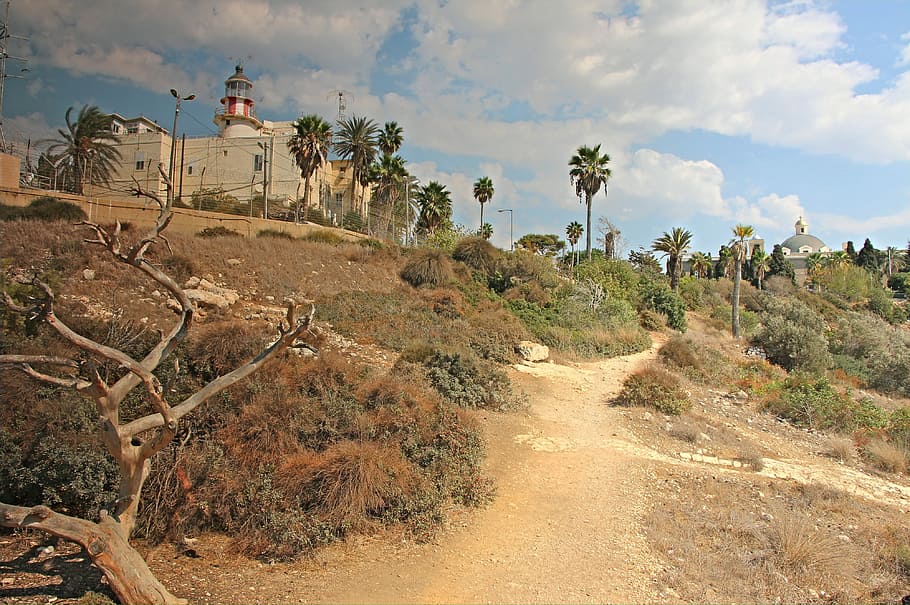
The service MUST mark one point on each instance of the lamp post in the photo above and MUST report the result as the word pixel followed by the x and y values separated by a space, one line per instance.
pixel 511 245
pixel 173 162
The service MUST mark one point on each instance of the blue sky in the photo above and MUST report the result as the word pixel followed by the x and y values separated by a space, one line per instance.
pixel 713 113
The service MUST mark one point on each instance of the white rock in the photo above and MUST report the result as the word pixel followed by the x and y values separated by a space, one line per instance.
pixel 206 298
pixel 532 351
pixel 88 274
pixel 233 262
pixel 192 282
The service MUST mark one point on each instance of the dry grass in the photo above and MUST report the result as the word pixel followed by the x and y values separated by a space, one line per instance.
pixel 428 267
pixel 841 449
pixel 726 540
pixel 885 456
pixel 349 480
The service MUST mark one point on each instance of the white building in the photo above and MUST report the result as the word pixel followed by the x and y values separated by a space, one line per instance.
pixel 248 158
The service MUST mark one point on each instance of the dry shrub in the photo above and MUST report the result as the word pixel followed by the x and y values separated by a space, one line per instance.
pixel 348 481
pixel 446 302
pixel 477 253
pixel 801 548
pixel 686 429
pixel 428 267
pixel 653 386
pixel 841 449
pixel 885 456
pixel 679 351
pixel 219 347
pixel 355 252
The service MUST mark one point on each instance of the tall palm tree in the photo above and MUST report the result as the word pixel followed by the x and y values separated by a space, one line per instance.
pixel 86 146
pixel 588 173
pixel 435 204
pixel 573 234
pixel 309 145
pixel 761 264
pixel 356 140
pixel 739 249
pixel 485 231
pixel 390 138
pixel 483 193
pixel 673 245
pixel 701 264
pixel 388 176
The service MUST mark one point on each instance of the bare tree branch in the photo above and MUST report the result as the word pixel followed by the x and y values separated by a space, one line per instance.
pixel 286 338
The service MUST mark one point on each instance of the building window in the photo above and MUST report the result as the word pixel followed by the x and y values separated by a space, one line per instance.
pixel 257 162
pixel 132 130
pixel 140 160
pixel 189 170
pixel 339 199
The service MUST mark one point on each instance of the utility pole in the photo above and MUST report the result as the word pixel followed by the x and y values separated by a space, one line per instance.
pixel 4 55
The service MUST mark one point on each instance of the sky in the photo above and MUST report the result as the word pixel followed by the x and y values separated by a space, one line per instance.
pixel 713 113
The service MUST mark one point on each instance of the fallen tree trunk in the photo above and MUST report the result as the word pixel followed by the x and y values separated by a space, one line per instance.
pixel 127 572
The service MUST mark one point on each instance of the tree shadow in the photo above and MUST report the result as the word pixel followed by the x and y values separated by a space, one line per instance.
pixel 66 574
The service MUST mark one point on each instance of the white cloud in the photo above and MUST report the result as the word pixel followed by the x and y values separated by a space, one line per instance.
pixel 904 58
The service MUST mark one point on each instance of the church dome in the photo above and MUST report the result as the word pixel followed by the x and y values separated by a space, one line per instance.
pixel 802 240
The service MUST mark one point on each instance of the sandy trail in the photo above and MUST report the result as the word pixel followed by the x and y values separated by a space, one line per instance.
pixel 564 526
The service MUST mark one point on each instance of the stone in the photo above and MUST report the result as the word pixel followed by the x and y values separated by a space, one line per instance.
pixel 233 262
pixel 532 351
pixel 204 298
pixel 192 282
pixel 88 274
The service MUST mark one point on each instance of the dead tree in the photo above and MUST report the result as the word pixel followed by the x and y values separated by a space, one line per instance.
pixel 131 443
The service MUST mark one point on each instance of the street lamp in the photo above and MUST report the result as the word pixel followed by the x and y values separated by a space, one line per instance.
pixel 173 162
pixel 511 245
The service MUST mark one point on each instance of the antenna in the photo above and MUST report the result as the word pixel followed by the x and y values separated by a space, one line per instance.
pixel 241 60
pixel 4 55
pixel 342 105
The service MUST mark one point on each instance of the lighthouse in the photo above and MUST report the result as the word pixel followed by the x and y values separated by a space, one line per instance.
pixel 236 117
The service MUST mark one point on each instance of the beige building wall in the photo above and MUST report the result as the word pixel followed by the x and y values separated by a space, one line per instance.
pixel 235 165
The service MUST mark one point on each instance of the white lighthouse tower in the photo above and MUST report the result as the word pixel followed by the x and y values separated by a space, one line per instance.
pixel 236 118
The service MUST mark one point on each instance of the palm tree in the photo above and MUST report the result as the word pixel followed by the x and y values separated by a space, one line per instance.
pixel 839 258
pixel 701 264
pixel 761 264
pixel 483 193
pixel 815 262
pixel 86 146
pixel 673 245
pixel 573 234
pixel 310 147
pixel 356 140
pixel 739 249
pixel 435 204
pixel 390 139
pixel 388 176
pixel 485 231
pixel 589 171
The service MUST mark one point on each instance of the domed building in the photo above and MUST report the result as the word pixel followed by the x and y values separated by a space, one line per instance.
pixel 802 243
pixel 799 246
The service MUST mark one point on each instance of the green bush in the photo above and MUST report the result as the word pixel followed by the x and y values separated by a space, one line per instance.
pixel 218 231
pixel 464 379
pixel 428 267
pixel 899 282
pixel 44 208
pixel 815 403
pixel 793 336
pixel 654 387
pixel 657 296
pixel 275 233
pixel 867 347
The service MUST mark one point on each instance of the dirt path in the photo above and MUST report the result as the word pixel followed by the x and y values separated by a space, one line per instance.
pixel 563 528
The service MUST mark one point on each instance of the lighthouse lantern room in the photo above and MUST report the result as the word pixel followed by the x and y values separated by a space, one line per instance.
pixel 236 117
